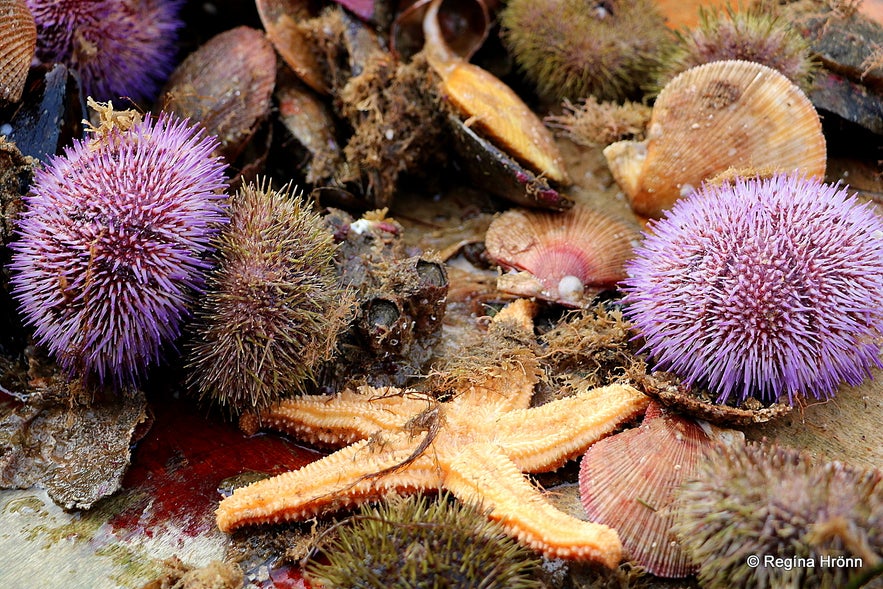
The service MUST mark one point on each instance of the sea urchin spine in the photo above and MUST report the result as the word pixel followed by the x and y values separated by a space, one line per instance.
pixel 766 287
pixel 112 247
pixel 274 308
pixel 822 522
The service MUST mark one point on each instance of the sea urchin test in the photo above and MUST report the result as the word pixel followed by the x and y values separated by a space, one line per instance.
pixel 112 247
pixel 766 288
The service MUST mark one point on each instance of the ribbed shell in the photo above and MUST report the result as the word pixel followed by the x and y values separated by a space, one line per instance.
pixel 581 242
pixel 735 115
pixel 629 482
pixel 17 45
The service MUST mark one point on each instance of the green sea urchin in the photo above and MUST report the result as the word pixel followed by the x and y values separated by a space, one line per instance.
pixel 574 48
pixel 274 307
pixel 777 503
pixel 424 543
pixel 750 35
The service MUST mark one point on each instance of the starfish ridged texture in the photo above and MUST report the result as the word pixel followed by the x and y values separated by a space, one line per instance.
pixel 477 446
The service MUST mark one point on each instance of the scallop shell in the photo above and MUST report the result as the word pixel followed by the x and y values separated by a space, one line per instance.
pixel 722 115
pixel 629 482
pixel 563 255
pixel 17 45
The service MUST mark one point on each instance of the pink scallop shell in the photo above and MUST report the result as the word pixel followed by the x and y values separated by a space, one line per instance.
pixel 629 482
pixel 582 242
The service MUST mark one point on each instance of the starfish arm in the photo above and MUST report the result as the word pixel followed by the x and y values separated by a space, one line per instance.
pixel 545 437
pixel 504 388
pixel 360 472
pixel 481 474
pixel 345 417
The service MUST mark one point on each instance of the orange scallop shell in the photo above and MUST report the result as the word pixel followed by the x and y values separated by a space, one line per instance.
pixel 629 482
pixel 724 115
pixel 17 45
pixel 491 107
pixel 557 251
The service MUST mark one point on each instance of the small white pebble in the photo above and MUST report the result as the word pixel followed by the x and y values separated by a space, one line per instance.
pixel 6 129
pixel 360 226
pixel 570 288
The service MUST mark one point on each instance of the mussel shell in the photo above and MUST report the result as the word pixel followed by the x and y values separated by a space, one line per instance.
pixel 668 390
pixel 490 169
pixel 49 115
pixel 280 19
pixel 310 122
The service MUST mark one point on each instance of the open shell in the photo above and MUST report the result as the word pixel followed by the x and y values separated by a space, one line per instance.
pixel 724 115
pixel 280 19
pixel 490 107
pixel 17 45
pixel 630 481
pixel 566 257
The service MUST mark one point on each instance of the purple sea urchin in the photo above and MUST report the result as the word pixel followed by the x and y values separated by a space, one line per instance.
pixel 767 288
pixel 823 520
pixel 111 247
pixel 275 307
pixel 574 48
pixel 118 47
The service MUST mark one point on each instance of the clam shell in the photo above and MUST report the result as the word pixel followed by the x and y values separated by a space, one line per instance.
pixel 564 254
pixel 226 85
pixel 280 19
pixel 722 115
pixel 17 45
pixel 629 482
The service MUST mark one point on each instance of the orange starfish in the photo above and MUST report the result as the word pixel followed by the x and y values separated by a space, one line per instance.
pixel 477 445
